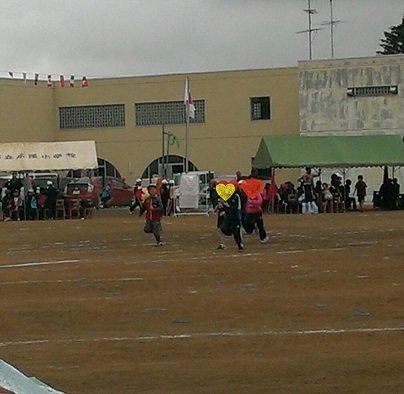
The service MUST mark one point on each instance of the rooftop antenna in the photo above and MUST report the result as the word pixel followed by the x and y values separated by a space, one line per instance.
pixel 332 22
pixel 310 11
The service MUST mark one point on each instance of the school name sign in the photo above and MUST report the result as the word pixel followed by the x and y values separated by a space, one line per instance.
pixel 48 156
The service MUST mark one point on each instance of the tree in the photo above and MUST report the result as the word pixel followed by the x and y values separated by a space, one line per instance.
pixel 393 42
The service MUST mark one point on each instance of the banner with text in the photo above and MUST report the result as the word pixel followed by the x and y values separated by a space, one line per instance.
pixel 31 156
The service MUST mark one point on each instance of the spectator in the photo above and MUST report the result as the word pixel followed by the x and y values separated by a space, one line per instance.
pixel 42 198
pixel 14 184
pixel 318 195
pixel 106 194
pixel 31 205
pixel 349 201
pixel 327 198
pixel 308 204
pixel 360 189
pixel 50 205
pixel 395 189
pixel 137 196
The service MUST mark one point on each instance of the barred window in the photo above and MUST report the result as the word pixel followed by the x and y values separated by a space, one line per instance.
pixel 260 108
pixel 169 112
pixel 92 116
pixel 364 91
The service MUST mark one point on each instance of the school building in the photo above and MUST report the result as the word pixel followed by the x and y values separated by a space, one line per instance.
pixel 234 109
pixel 126 117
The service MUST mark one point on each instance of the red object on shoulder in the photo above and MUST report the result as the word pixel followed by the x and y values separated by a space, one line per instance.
pixel 152 214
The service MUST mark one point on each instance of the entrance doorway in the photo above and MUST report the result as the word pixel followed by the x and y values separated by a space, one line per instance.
pixel 167 166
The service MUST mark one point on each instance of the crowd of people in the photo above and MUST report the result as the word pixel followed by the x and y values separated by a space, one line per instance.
pixel 237 216
pixel 389 194
pixel 323 197
pixel 317 196
pixel 26 201
pixel 23 199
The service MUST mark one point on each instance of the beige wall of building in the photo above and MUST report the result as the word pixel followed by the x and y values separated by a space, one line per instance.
pixel 27 113
pixel 328 106
pixel 224 143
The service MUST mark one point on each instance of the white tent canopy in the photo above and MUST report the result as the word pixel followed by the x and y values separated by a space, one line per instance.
pixel 32 156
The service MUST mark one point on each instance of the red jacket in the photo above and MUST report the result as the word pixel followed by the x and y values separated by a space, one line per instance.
pixel 138 192
pixel 154 208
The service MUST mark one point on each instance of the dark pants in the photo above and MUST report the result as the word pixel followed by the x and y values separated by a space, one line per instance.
pixel 135 204
pixel 232 227
pixel 32 213
pixel 152 227
pixel 350 201
pixel 254 219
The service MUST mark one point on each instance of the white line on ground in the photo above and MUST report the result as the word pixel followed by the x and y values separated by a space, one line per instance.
pixel 78 280
pixel 38 263
pixel 159 337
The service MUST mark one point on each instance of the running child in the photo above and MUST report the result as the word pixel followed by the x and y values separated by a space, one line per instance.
pixel 137 196
pixel 154 211
pixel 221 214
pixel 231 224
pixel 253 217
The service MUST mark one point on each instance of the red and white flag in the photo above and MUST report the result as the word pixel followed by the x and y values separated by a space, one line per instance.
pixel 50 84
pixel 62 81
pixel 189 104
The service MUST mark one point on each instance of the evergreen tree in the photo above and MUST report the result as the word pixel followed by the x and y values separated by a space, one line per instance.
pixel 393 42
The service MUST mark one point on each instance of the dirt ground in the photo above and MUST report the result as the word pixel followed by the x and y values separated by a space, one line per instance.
pixel 92 306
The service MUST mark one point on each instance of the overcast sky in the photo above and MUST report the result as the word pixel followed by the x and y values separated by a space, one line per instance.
pixel 101 38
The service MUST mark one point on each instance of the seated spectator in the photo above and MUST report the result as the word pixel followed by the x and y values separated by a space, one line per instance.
pixel 337 190
pixel 41 202
pixel 16 205
pixel 106 195
pixel 318 195
pixel 31 205
pixel 287 195
pixel 327 198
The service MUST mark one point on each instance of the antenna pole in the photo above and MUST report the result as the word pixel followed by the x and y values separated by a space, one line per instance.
pixel 309 11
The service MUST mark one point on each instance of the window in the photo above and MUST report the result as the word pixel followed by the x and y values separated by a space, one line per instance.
pixel 365 91
pixel 92 116
pixel 260 108
pixel 169 112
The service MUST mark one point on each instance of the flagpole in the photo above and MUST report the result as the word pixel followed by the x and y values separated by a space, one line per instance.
pixel 186 102
pixel 162 150
pixel 186 140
